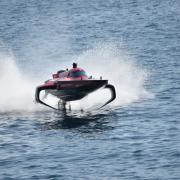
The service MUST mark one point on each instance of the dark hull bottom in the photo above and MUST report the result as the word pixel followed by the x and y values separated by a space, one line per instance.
pixel 70 95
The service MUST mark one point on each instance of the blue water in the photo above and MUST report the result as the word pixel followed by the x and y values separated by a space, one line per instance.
pixel 135 140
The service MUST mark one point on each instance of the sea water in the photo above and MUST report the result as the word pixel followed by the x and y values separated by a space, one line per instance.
pixel 133 44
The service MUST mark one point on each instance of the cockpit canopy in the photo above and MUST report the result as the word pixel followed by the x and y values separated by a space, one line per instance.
pixel 78 73
pixel 75 72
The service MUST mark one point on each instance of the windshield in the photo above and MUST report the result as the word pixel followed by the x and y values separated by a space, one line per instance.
pixel 77 73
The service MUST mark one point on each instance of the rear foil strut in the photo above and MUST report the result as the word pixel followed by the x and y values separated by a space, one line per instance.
pixel 113 94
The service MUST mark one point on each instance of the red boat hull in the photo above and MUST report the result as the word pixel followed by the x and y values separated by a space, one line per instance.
pixel 75 90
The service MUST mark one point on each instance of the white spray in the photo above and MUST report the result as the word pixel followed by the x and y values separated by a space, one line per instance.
pixel 108 61
pixel 16 90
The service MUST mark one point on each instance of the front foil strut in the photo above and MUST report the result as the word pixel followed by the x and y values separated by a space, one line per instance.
pixel 38 91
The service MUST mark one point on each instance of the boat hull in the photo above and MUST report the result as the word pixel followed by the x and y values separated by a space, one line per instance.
pixel 72 90
pixel 75 90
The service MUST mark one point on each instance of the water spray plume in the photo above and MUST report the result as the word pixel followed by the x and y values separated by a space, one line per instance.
pixel 110 62
pixel 16 92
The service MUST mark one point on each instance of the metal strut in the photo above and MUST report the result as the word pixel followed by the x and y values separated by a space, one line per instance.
pixel 38 91
pixel 113 94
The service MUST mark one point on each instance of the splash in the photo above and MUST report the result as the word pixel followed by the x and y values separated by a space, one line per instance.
pixel 17 91
pixel 109 61
pixel 122 71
